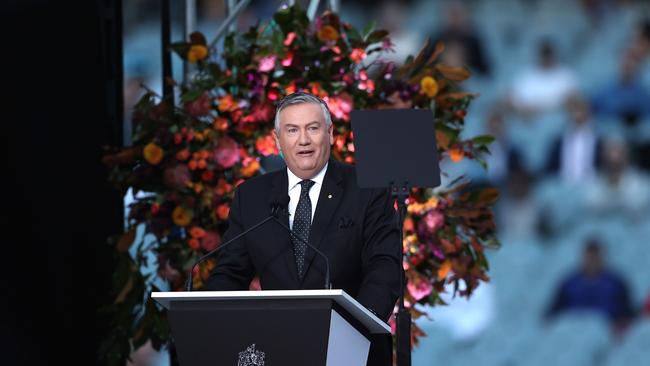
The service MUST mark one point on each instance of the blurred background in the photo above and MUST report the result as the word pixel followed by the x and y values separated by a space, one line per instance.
pixel 565 88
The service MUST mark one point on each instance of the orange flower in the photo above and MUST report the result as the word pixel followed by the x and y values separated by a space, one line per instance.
pixel 227 104
pixel 183 155
pixel 223 187
pixel 194 243
pixel 196 53
pixel 153 153
pixel 197 232
pixel 251 168
pixel 444 269
pixel 192 164
pixel 220 124
pixel 429 86
pixel 181 216
pixel 198 188
pixel 456 154
pixel 328 33
pixel 222 211
pixel 265 145
pixel 202 164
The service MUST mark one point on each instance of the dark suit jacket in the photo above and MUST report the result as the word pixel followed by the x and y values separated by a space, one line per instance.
pixel 356 228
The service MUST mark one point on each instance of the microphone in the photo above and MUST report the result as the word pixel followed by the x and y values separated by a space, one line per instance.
pixel 282 209
pixel 275 208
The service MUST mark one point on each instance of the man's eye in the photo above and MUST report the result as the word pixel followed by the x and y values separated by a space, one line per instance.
pixel 313 128
pixel 292 130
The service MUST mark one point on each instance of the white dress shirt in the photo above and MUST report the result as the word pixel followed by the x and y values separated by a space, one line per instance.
pixel 295 188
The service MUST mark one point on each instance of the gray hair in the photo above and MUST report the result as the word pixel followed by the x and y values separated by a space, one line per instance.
pixel 301 98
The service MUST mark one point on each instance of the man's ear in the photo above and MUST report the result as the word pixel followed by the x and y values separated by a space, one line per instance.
pixel 277 140
pixel 330 132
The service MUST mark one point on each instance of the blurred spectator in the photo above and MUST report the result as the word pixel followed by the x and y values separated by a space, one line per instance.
pixel 619 189
pixel 594 287
pixel 544 86
pixel 462 41
pixel 626 98
pixel 519 212
pixel 393 16
pixel 641 39
pixel 576 154
pixel 503 156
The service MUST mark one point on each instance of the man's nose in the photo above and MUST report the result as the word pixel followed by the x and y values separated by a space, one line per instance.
pixel 304 138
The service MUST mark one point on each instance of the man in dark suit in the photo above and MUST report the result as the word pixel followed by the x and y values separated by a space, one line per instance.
pixel 355 228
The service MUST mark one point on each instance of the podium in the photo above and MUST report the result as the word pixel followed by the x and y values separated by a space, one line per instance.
pixel 278 327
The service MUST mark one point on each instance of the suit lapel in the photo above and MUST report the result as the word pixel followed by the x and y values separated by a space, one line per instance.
pixel 279 189
pixel 329 198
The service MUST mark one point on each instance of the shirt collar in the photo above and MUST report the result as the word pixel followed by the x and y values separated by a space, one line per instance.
pixel 295 180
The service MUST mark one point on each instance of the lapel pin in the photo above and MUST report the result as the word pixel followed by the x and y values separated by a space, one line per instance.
pixel 329 196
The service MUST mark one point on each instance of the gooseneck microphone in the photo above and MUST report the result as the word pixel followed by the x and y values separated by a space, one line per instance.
pixel 275 208
pixel 283 209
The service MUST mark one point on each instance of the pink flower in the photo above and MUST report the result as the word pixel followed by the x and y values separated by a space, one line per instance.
pixel 227 152
pixel 286 62
pixel 419 288
pixel 290 37
pixel 267 63
pixel 210 240
pixel 434 220
pixel 340 106
pixel 357 55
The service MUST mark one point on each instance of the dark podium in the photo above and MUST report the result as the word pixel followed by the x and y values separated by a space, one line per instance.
pixel 257 328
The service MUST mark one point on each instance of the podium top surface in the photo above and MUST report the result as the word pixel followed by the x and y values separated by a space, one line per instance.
pixel 347 302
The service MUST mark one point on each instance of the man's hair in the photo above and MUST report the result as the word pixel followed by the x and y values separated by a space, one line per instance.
pixel 302 98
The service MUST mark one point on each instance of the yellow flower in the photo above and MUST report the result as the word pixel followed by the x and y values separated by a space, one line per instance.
pixel 181 216
pixel 328 33
pixel 197 53
pixel 429 86
pixel 153 153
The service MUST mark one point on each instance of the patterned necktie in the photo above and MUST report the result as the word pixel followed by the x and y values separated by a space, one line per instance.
pixel 302 225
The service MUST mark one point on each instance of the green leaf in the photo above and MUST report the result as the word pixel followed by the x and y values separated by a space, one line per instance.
pixel 369 28
pixel 181 49
pixel 191 95
pixel 483 139
pixel 376 36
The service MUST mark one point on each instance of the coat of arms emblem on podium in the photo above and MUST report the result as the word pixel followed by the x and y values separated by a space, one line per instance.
pixel 251 357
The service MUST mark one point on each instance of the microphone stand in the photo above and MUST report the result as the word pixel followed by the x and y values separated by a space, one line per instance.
pixel 188 284
pixel 328 284
pixel 403 318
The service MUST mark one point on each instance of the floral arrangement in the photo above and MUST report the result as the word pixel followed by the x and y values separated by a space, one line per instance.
pixel 186 158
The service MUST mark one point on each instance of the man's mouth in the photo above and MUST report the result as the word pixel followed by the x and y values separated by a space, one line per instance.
pixel 305 153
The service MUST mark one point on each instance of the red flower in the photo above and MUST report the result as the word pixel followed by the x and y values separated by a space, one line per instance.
pixel 227 152
pixel 222 211
pixel 207 175
pixel 199 107
pixel 177 176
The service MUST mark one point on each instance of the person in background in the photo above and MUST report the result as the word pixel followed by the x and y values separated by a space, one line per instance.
pixel 594 287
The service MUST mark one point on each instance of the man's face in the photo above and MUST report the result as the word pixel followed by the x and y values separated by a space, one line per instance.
pixel 304 139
